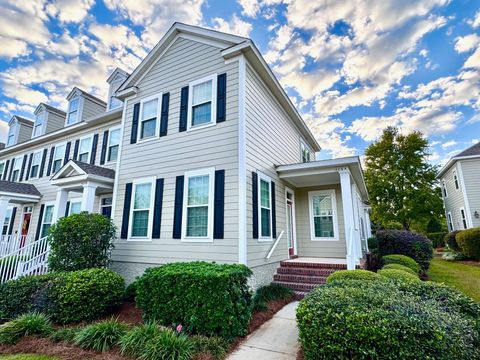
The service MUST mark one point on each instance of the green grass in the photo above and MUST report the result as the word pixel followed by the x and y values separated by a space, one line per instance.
pixel 27 357
pixel 465 278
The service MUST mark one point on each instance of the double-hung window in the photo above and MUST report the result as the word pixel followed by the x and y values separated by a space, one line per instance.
pixel 85 149
pixel 113 144
pixel 450 221
pixel 75 207
pixel 444 188
pixel 198 205
pixel 464 218
pixel 47 220
pixel 35 167
pixel 11 135
pixel 149 117
pixel 305 153
pixel 141 212
pixel 17 165
pixel 6 221
pixel 2 169
pixel 73 110
pixel 265 206
pixel 202 108
pixel 58 157
pixel 323 215
pixel 38 127
pixel 455 180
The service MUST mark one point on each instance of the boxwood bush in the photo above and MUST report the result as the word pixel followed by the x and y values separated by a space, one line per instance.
pixel 469 242
pixel 451 240
pixel 400 275
pixel 402 260
pixel 206 298
pixel 399 267
pixel 416 246
pixel 380 320
pixel 437 239
pixel 362 275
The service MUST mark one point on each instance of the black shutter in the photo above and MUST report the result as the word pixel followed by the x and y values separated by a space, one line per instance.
pixel 177 215
pixel 104 147
pixel 75 149
pixel 5 171
pixel 136 114
pixel 29 167
pixel 12 165
pixel 50 161
pixel 67 208
pixel 94 149
pixel 42 165
pixel 22 170
pixel 219 205
pixel 39 225
pixel 274 213
pixel 126 210
pixel 12 221
pixel 221 97
pixel 164 114
pixel 255 204
pixel 67 153
pixel 183 109
pixel 157 209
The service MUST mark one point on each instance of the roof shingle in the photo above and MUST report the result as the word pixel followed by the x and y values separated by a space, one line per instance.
pixel 95 170
pixel 471 151
pixel 18 188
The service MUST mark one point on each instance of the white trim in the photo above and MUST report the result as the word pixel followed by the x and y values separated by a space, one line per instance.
pixel 15 135
pixel 52 170
pixel 294 220
pixel 23 206
pixel 79 109
pixel 450 162
pixel 213 102
pixel 450 221
pixel 463 217
pixel 242 164
pixel 331 193
pixel 3 171
pixel 111 92
pixel 49 203
pixel 74 200
pixel 157 97
pixel 211 193
pixel 456 183
pixel 113 128
pixel 136 182
pixel 464 192
pixel 100 206
pixel 43 127
pixel 261 176
pixel 304 147
pixel 444 189
pixel 39 164
pixel 17 160
pixel 90 137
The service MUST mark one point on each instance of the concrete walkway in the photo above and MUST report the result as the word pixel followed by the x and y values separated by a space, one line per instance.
pixel 274 340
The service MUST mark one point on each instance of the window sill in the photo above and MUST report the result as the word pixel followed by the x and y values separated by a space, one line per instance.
pixel 196 240
pixel 146 140
pixel 325 239
pixel 139 239
pixel 265 239
pixel 202 126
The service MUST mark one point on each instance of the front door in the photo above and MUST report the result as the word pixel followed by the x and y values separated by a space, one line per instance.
pixel 290 223
pixel 27 216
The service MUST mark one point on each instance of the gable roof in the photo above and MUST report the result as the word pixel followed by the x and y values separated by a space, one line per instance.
pixel 86 95
pixel 116 72
pixel 85 169
pixel 22 120
pixel 49 108
pixel 472 152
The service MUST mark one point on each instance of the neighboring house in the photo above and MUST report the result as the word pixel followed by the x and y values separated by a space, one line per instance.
pixel 460 183
pixel 199 154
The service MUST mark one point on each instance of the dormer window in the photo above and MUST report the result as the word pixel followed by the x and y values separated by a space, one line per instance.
pixel 38 127
pixel 115 80
pixel 73 110
pixel 12 134
pixel 305 153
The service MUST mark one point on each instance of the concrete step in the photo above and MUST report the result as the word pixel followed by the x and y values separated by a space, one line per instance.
pixel 304 279
pixel 305 271
pixel 297 286
pixel 299 264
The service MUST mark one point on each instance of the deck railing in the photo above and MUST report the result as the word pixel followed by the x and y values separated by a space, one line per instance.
pixel 11 243
pixel 274 246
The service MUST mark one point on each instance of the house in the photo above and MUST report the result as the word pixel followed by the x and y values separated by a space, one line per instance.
pixel 198 154
pixel 459 180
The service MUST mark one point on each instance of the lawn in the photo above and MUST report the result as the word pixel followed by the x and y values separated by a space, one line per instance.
pixel 465 278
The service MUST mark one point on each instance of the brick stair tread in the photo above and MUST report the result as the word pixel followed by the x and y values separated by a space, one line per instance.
pixel 297 286
pixel 305 271
pixel 313 265
pixel 300 278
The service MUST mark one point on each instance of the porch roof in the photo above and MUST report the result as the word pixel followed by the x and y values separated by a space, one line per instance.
pixel 323 172
pixel 76 173
pixel 19 191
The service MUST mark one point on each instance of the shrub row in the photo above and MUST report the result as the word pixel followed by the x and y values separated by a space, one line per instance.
pixel 401 260
pixel 465 241
pixel 65 297
pixel 437 239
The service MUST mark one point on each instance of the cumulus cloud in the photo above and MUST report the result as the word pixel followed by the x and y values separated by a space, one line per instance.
pixel 466 43
pixel 449 143
pixel 235 26
pixel 69 10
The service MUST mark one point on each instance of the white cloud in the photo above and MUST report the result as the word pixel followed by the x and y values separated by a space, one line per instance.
pixel 448 144
pixel 3 131
pixel 12 48
pixel 474 60
pixel 467 42
pixel 475 22
pixel 252 7
pixel 235 26
pixel 69 10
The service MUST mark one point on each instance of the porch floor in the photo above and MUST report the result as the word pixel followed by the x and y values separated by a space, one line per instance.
pixel 318 260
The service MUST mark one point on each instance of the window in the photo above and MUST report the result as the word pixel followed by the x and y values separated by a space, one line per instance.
pixel 36 159
pixel 198 205
pixel 6 222
pixel 2 169
pixel 149 115
pixel 323 216
pixel 75 207
pixel 47 220
pixel 38 127
pixel 58 158
pixel 73 110
pixel 142 209
pixel 305 153
pixel 17 165
pixel 450 221
pixel 84 149
pixel 444 187
pixel 12 134
pixel 265 206
pixel 106 206
pixel 113 102
pixel 464 218
pixel 455 180
pixel 113 144
pixel 202 102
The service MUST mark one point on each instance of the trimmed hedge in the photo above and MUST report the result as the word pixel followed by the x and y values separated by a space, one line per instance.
pixel 469 242
pixel 402 260
pixel 399 267
pixel 416 246
pixel 451 240
pixel 437 239
pixel 356 275
pixel 385 320
pixel 396 274
pixel 206 298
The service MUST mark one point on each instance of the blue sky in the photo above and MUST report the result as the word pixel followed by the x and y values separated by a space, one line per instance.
pixel 351 67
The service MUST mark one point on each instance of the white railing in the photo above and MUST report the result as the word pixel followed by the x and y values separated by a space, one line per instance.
pixel 30 259
pixel 11 243
pixel 274 246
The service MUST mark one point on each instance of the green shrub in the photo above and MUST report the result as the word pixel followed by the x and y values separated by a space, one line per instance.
pixel 25 325
pixel 381 320
pixel 131 291
pixel 400 275
pixel 101 336
pixel 80 241
pixel 268 293
pixel 134 341
pixel 437 239
pixel 402 260
pixel 361 275
pixel 65 334
pixel 469 242
pixel 86 294
pixel 451 240
pixel 205 298
pixel 168 345
pixel 215 347
pixel 399 267
pixel 407 243
pixel 372 244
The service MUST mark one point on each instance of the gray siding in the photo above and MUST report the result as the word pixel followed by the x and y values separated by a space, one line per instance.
pixel 172 155
pixel 54 122
pixel 91 109
pixel 471 176
pixel 24 133
pixel 454 200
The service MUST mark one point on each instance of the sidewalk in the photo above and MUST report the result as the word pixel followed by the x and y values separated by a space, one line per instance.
pixel 274 340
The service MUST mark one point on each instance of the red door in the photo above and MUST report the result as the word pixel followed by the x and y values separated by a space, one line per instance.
pixel 25 226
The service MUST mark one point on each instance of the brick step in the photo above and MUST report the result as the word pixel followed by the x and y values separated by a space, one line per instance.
pixel 305 271
pixel 297 286
pixel 304 279
pixel 299 295
pixel 312 265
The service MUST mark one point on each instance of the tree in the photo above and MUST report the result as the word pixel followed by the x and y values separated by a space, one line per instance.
pixel 401 183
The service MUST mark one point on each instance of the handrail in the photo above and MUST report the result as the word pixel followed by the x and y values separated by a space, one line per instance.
pixel 11 243
pixel 274 246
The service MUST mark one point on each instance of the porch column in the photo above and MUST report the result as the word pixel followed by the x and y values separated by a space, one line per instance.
pixel 60 204
pixel 348 215
pixel 368 224
pixel 88 197
pixel 3 210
